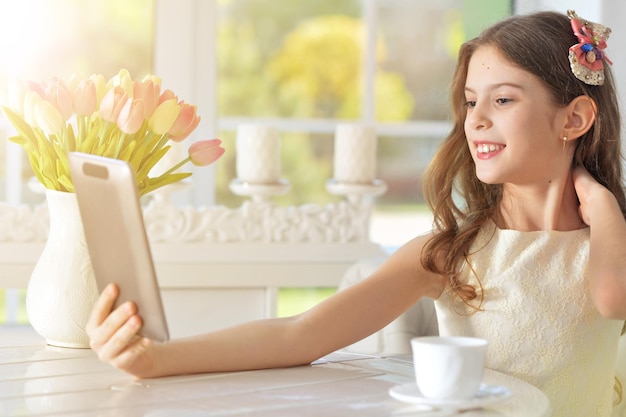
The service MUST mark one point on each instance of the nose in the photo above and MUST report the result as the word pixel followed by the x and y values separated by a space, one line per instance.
pixel 476 118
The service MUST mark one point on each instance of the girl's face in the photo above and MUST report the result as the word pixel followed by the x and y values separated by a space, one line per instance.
pixel 514 131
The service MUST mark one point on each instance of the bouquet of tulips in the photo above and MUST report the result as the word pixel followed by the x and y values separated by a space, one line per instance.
pixel 122 118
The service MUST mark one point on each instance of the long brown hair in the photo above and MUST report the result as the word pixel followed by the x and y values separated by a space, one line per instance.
pixel 537 43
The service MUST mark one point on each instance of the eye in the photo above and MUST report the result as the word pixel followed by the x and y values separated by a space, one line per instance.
pixel 503 100
pixel 470 104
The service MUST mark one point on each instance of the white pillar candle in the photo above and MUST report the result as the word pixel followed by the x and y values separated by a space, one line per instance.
pixel 258 154
pixel 355 154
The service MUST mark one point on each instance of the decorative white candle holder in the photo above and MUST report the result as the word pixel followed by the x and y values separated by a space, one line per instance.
pixel 356 193
pixel 258 154
pixel 355 154
pixel 259 192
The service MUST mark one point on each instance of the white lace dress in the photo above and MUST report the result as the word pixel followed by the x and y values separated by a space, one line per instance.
pixel 538 317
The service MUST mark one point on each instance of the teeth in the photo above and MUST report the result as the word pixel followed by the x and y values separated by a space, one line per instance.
pixel 486 148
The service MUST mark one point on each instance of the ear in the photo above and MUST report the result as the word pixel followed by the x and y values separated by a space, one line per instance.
pixel 581 114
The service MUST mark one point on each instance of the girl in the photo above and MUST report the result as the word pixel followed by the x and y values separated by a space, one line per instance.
pixel 529 245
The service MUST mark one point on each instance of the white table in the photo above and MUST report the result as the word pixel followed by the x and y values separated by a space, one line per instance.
pixel 36 379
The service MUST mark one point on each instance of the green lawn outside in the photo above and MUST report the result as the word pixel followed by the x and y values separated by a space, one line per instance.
pixel 292 301
pixel 21 310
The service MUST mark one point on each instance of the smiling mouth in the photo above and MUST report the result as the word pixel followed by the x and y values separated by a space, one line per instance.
pixel 488 148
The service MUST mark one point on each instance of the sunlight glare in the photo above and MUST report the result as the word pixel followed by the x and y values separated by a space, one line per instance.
pixel 24 34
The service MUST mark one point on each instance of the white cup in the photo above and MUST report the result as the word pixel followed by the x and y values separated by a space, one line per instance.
pixel 448 367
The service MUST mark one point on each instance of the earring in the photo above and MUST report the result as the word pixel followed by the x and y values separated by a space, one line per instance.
pixel 564 141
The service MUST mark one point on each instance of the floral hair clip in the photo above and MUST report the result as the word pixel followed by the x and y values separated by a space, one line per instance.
pixel 587 57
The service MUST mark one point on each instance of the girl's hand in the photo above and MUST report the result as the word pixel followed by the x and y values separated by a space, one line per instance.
pixel 607 245
pixel 113 335
pixel 587 189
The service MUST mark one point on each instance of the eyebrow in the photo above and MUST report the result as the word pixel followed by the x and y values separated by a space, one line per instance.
pixel 496 86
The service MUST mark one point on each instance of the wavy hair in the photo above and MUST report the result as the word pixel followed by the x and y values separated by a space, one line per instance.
pixel 539 44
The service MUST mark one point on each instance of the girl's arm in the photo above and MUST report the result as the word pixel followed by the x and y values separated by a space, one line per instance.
pixel 342 319
pixel 607 255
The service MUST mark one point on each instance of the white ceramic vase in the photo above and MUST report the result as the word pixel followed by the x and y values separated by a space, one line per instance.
pixel 62 288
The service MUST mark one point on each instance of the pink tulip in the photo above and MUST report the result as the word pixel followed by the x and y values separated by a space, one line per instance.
pixel 59 96
pixel 112 104
pixel 185 123
pixel 164 117
pixel 148 91
pixel 154 78
pixel 85 98
pixel 205 152
pixel 131 116
pixel 37 88
pixel 167 95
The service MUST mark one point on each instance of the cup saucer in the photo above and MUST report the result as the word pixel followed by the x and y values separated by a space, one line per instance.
pixel 487 394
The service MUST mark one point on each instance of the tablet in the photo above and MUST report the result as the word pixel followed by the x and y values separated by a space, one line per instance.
pixel 116 237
